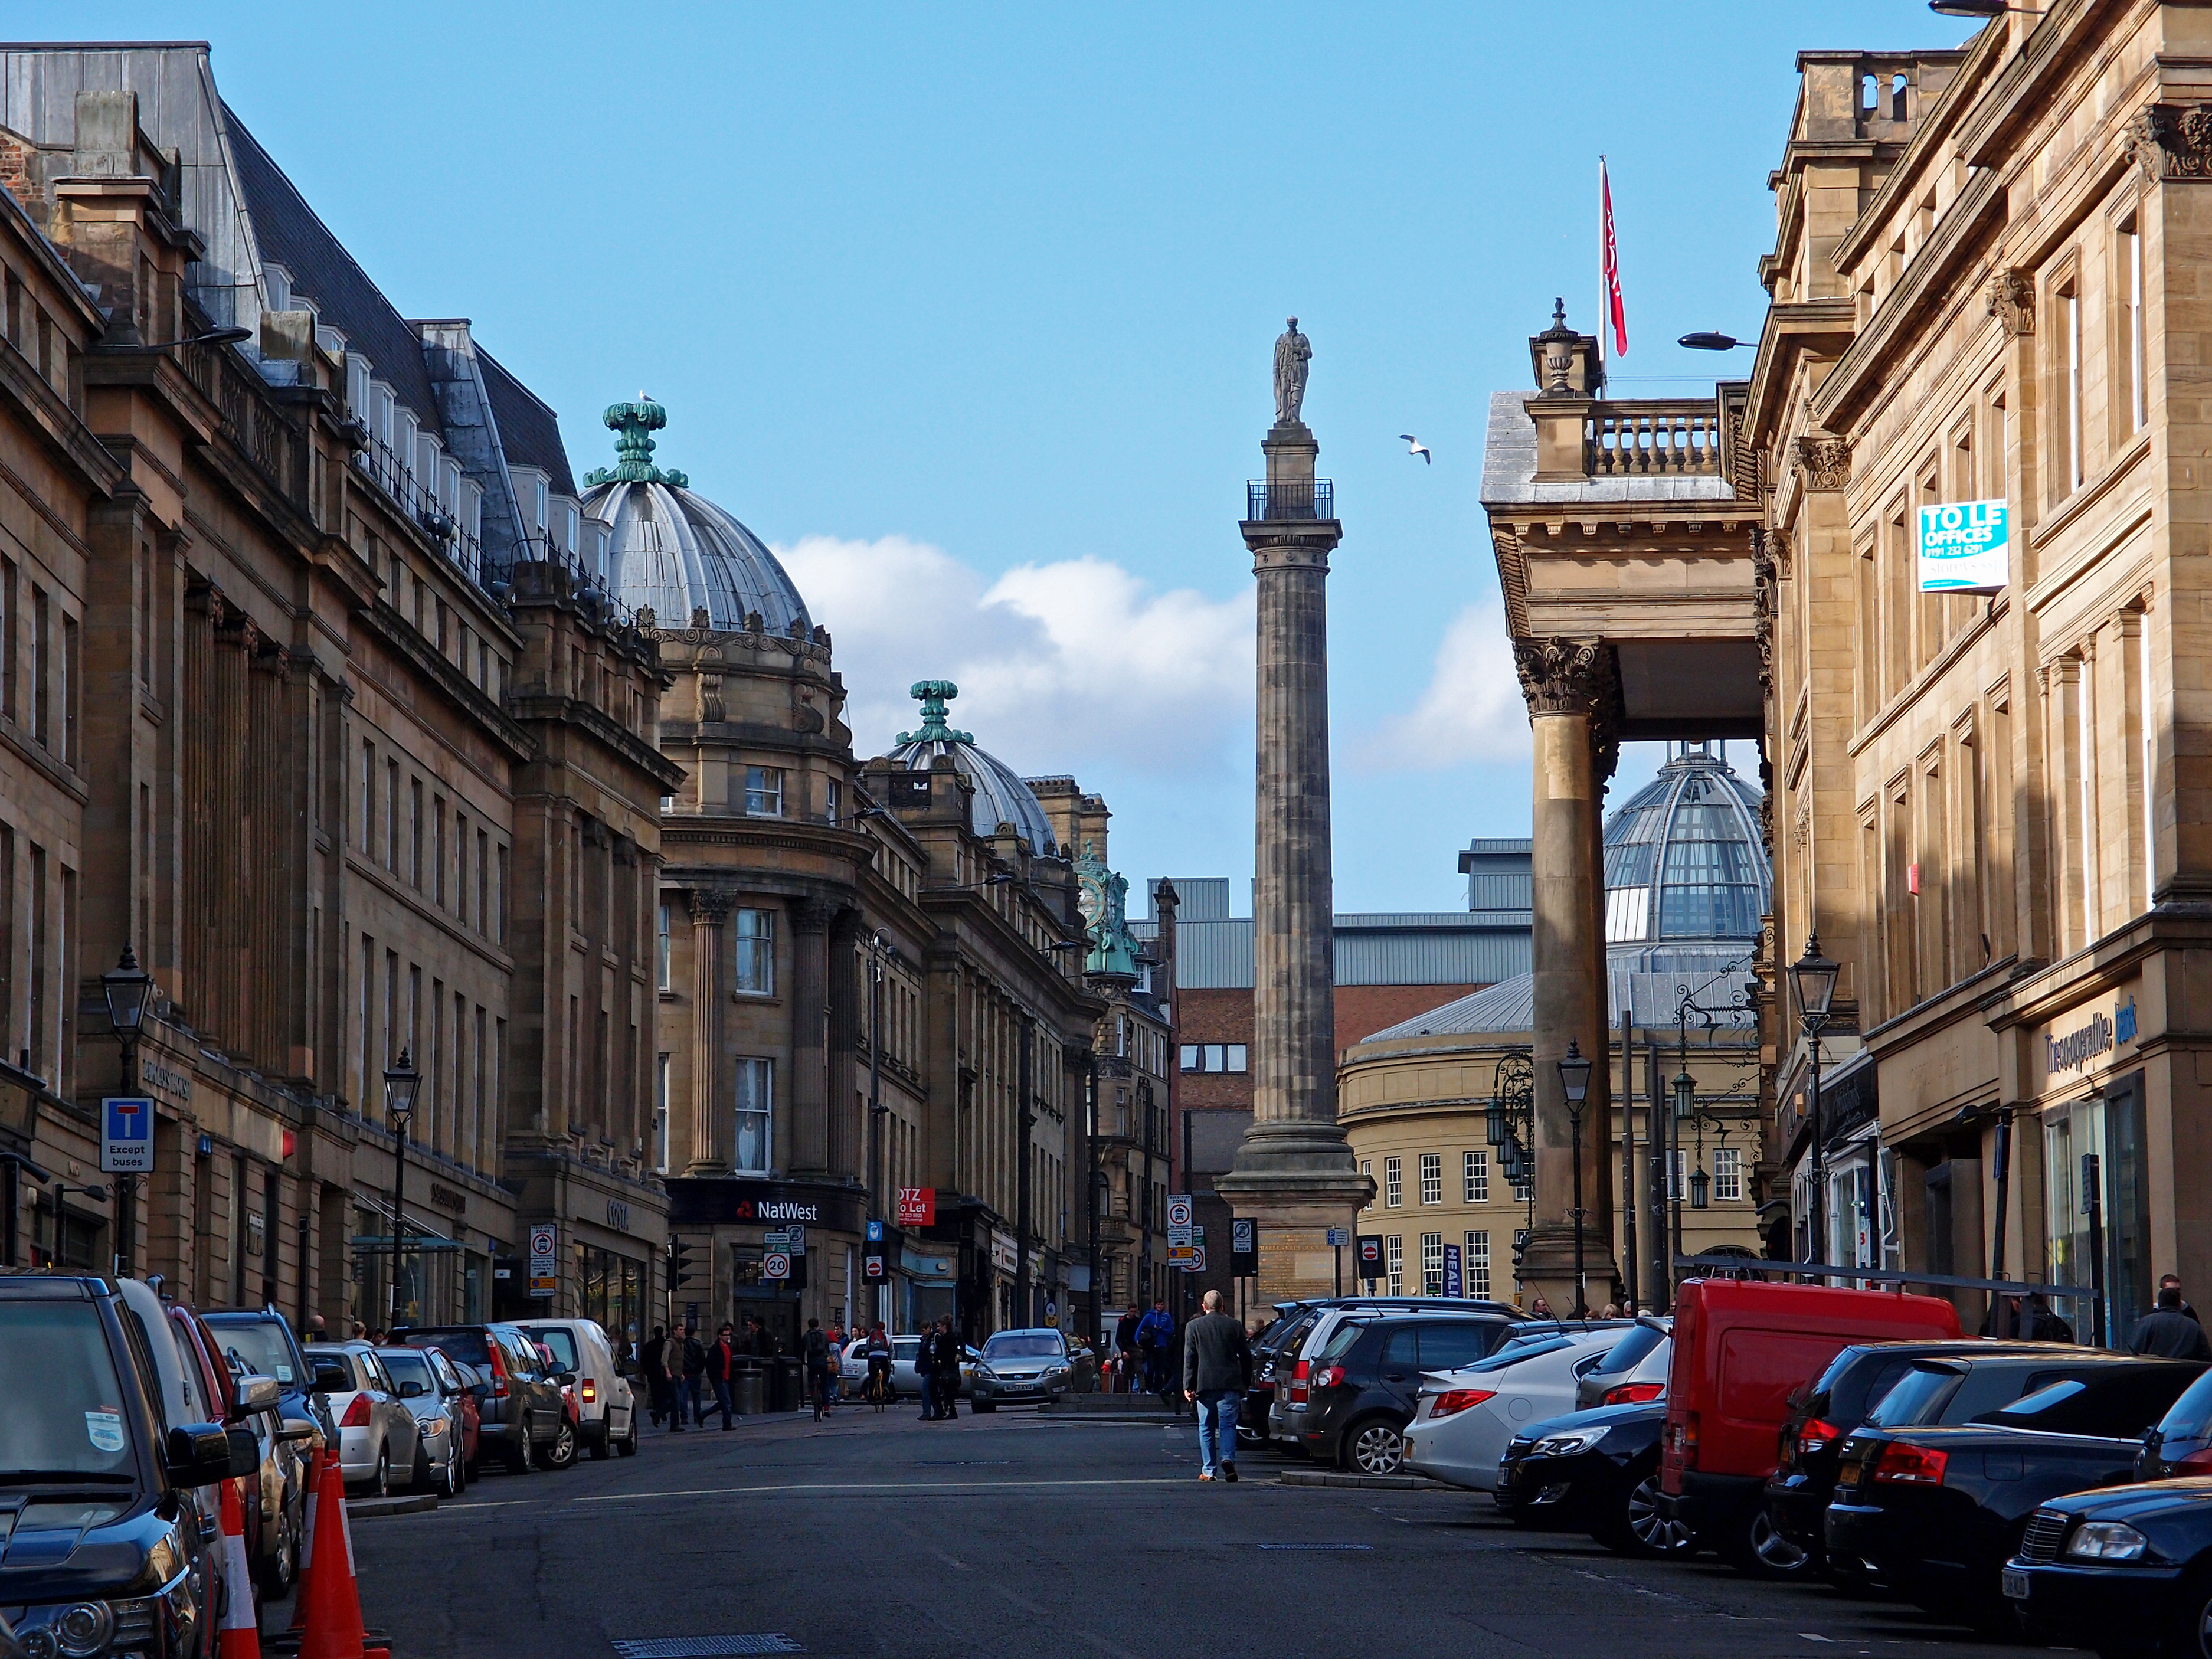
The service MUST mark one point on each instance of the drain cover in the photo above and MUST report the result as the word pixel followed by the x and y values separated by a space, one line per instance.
pixel 707 1647
pixel 1316 1546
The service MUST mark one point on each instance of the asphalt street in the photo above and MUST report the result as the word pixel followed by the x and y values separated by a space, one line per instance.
pixel 1011 1536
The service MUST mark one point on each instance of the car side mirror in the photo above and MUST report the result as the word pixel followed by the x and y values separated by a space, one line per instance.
pixel 201 1453
pixel 566 1379
pixel 410 1389
pixel 298 1430
pixel 256 1394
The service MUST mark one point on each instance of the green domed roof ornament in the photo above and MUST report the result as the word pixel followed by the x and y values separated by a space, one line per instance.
pixel 634 423
pixel 933 696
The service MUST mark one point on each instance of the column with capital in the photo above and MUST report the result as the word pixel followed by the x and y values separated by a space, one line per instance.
pixel 710 908
pixel 1572 691
pixel 808 1119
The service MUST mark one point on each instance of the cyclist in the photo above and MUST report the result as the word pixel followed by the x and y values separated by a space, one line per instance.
pixel 818 1350
pixel 878 1351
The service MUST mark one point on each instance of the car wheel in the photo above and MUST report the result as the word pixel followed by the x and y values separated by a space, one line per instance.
pixel 285 1564
pixel 562 1452
pixel 1759 1548
pixel 419 1477
pixel 519 1458
pixel 2188 1635
pixel 627 1445
pixel 1374 1446
pixel 449 1473
pixel 602 1443
pixel 1641 1529
pixel 379 1484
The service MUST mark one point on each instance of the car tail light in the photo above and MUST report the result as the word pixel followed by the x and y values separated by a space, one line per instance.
pixel 591 1390
pixel 1332 1377
pixel 1632 1394
pixel 1911 1466
pixel 1298 1381
pixel 1686 1440
pixel 498 1373
pixel 356 1413
pixel 2196 1460
pixel 1817 1436
pixel 1455 1400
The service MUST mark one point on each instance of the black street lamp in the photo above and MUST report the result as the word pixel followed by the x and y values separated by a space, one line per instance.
pixel 1709 340
pixel 1574 1078
pixel 128 988
pixel 400 1082
pixel 1815 977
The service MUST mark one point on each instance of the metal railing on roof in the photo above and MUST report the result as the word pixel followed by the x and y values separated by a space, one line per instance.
pixel 378 462
pixel 538 548
pixel 1285 499
pixel 274 448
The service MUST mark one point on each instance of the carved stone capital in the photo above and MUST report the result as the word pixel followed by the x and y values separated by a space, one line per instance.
pixel 1563 676
pixel 812 915
pixel 711 906
pixel 2171 141
pixel 2012 300
pixel 1779 550
pixel 1825 462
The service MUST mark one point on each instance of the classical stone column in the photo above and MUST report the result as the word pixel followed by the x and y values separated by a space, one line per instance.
pixel 1294 1173
pixel 710 908
pixel 848 1131
pixel 237 640
pixel 809 1122
pixel 1572 693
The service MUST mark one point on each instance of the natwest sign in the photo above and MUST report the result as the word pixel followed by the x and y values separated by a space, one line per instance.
pixel 778 1209
pixel 917 1207
pixel 744 1201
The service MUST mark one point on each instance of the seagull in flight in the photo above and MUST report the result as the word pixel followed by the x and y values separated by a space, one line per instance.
pixel 1415 447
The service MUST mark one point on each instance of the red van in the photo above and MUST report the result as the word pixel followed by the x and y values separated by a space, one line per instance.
pixel 1740 1349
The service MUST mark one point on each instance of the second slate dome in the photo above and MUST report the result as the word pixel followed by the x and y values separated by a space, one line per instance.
pixel 676 552
pixel 1001 796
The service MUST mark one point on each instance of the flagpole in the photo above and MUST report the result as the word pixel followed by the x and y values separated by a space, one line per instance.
pixel 1604 294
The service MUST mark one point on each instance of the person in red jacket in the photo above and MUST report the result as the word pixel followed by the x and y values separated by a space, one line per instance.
pixel 722 1371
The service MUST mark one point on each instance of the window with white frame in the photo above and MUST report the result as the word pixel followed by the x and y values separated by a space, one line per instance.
pixel 1677 1168
pixel 750 1149
pixel 1478 1265
pixel 756 965
pixel 763 792
pixel 1525 1188
pixel 1432 1264
pixel 1393 1263
pixel 1432 1179
pixel 660 1115
pixel 1474 1176
pixel 1215 1057
pixel 1393 1188
pixel 1728 1175
pixel 1367 1168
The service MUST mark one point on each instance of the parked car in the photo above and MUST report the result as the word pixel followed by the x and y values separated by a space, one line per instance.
pixel 1633 1369
pixel 438 1465
pixel 2126 1571
pixel 906 1381
pixel 2181 1446
pixel 1597 1470
pixel 464 1383
pixel 265 1341
pixel 1934 1513
pixel 520 1412
pixel 606 1408
pixel 1466 1419
pixel 1286 1417
pixel 1364 1385
pixel 274 1503
pixel 91 1376
pixel 1021 1367
pixel 1741 1350
pixel 1822 1414
pixel 376 1432
pixel 562 1452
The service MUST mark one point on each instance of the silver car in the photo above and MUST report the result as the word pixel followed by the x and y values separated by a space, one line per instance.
pixel 431 1390
pixel 1022 1368
pixel 906 1381
pixel 376 1432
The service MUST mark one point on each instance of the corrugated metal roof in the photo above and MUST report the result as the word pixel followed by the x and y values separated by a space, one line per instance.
pixel 1198 898
pixel 1649 981
pixel 1448 948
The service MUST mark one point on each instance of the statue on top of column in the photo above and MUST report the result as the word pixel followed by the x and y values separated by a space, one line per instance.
pixel 1293 351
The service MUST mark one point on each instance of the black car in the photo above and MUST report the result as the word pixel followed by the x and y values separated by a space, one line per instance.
pixel 1595 1470
pixel 2127 1572
pixel 1363 1386
pixel 520 1410
pixel 108 1517
pixel 1934 1512
pixel 1823 1414
pixel 1276 1348
pixel 265 1341
pixel 2180 1446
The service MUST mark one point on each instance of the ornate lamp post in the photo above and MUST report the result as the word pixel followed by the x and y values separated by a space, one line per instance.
pixel 1511 1114
pixel 400 1082
pixel 128 988
pixel 1574 1079
pixel 1815 977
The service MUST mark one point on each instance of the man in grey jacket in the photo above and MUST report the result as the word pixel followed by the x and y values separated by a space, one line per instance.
pixel 1217 1365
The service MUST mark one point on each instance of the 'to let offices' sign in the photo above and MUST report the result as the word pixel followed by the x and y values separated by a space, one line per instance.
pixel 1965 547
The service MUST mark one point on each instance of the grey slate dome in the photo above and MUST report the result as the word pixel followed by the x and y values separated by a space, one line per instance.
pixel 1683 857
pixel 675 551
pixel 1000 796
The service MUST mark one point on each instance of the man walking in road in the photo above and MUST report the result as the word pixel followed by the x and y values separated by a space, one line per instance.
pixel 1124 1348
pixel 653 1360
pixel 1216 1365
pixel 722 1372
pixel 1155 1336
pixel 695 1374
pixel 944 1344
pixel 925 1362
pixel 2167 1332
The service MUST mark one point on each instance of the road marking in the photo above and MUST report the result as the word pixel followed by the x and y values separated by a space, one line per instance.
pixel 868 1485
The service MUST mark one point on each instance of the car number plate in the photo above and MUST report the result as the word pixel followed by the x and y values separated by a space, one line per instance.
pixel 1847 1475
pixel 2015 1584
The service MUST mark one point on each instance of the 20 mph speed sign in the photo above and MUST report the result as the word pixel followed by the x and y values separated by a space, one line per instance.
pixel 775 1265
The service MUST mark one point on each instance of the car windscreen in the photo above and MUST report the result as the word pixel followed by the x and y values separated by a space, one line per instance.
pixel 2118 1404
pixel 64 1402
pixel 1022 1347
pixel 467 1345
pixel 258 1343
pixel 2189 1418
pixel 1918 1396
pixel 406 1365
pixel 562 1342
pixel 1632 1350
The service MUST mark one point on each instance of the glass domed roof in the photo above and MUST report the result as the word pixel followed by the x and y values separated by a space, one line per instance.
pixel 1683 858
pixel 1000 796
pixel 676 552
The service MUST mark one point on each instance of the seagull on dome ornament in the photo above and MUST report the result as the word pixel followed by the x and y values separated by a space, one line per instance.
pixel 1415 447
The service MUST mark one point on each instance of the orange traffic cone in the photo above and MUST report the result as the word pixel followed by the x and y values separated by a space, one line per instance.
pixel 333 1597
pixel 240 1631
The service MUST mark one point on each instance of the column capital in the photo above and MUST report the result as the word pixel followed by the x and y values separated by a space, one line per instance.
pixel 1827 462
pixel 711 906
pixel 1565 676
pixel 2011 297
pixel 812 916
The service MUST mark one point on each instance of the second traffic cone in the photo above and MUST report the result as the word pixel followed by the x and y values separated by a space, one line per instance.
pixel 332 1599
pixel 240 1633
pixel 307 1557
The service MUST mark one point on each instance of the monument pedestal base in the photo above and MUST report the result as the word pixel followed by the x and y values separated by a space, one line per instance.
pixel 1296 1207
pixel 1547 1268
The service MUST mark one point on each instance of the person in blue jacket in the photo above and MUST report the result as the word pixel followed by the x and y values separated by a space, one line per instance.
pixel 1155 1337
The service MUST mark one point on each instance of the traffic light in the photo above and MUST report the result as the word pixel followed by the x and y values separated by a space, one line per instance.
pixel 1519 1246
pixel 679 1264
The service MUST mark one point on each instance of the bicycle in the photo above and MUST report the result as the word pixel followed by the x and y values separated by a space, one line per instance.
pixel 819 1386
pixel 878 1390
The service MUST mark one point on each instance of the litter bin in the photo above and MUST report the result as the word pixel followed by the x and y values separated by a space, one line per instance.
pixel 748 1387
pixel 786 1386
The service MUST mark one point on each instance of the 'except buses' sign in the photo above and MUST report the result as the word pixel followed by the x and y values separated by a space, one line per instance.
pixel 1964 547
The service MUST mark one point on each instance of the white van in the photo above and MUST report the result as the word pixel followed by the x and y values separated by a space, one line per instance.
pixel 606 1410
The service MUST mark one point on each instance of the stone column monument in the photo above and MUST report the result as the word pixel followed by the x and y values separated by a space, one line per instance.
pixel 1294 1174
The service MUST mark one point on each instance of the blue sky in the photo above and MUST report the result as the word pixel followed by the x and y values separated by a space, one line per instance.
pixel 971 309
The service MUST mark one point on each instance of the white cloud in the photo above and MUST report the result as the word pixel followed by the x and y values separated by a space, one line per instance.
pixel 1472 709
pixel 1059 665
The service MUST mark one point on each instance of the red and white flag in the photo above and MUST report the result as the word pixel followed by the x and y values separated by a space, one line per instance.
pixel 1609 264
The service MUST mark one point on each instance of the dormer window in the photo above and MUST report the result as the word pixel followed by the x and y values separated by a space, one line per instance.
pixel 279 284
